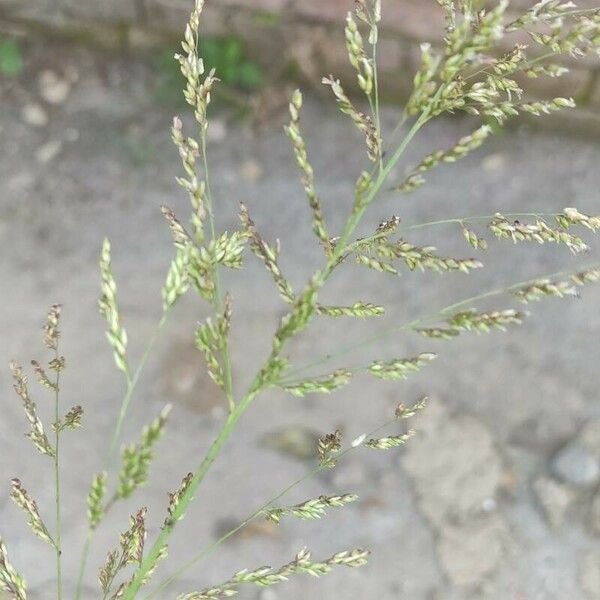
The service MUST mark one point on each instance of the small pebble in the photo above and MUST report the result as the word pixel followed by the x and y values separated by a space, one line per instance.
pixel 217 131
pixel 48 151
pixel 53 88
pixel 34 114
pixel 589 575
pixel 493 162
pixel 251 171
pixel 576 466
pixel 555 499
pixel 595 513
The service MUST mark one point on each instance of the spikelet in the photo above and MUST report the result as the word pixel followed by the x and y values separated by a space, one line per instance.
pixel 51 332
pixel 137 457
pixel 328 446
pixel 311 509
pixel 543 11
pixel 587 276
pixel 189 151
pixel 359 60
pixel 572 216
pixel 177 281
pixel 424 258
pixel 471 320
pixel 400 368
pixel 211 340
pixel 267 254
pixel 393 441
pixel 23 500
pixel 296 321
pixel 543 288
pixel 474 240
pixel 358 309
pixel 363 122
pixel 423 84
pixel 308 178
pixel 376 264
pixel 403 412
pixel 547 106
pixel 72 420
pixel 175 497
pixel 116 334
pixel 181 238
pixel 10 581
pixel 42 377
pixel 227 250
pixel 321 385
pixel 130 551
pixel 37 434
pixel 539 232
pixel 464 146
pixel 95 500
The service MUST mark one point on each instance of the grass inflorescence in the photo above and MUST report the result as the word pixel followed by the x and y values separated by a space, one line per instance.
pixel 469 73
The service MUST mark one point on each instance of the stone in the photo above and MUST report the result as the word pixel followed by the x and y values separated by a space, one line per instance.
pixel 53 88
pixel 455 467
pixel 589 575
pixel 34 114
pixel 48 151
pixel 555 498
pixel 469 553
pixel 251 171
pixel 576 465
pixel 595 513
pixel 217 131
pixel 457 472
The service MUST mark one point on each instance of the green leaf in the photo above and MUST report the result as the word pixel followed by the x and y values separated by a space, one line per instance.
pixel 11 59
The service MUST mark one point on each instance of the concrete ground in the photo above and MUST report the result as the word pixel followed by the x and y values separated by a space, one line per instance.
pixel 497 496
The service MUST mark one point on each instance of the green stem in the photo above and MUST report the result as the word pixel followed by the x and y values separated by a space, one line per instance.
pixel 59 584
pixel 461 220
pixel 131 385
pixel 154 553
pixel 218 299
pixel 257 513
pixel 83 562
pixel 110 456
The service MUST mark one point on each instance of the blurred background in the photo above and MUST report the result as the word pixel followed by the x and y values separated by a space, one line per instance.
pixel 498 495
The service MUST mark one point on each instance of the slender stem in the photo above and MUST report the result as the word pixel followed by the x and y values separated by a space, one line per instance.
pixel 461 220
pixel 111 454
pixel 131 385
pixel 83 562
pixel 154 553
pixel 377 112
pixel 57 538
pixel 257 513
pixel 218 299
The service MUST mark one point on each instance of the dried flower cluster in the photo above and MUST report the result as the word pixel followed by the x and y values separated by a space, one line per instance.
pixel 469 72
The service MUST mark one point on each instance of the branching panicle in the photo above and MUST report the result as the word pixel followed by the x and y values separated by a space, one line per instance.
pixel 37 434
pixel 23 500
pixel 471 71
pixel 266 576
